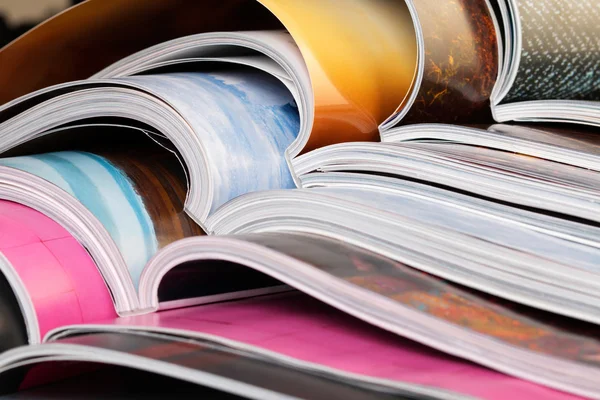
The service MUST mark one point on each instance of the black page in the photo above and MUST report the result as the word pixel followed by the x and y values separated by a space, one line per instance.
pixel 13 332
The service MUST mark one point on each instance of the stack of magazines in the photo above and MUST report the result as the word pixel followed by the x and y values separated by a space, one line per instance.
pixel 319 199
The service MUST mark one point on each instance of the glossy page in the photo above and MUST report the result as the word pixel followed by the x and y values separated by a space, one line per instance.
pixel 560 51
pixel 137 197
pixel 475 312
pixel 245 121
pixel 461 62
pixel 454 217
pixel 301 327
pixel 362 58
pixel 577 138
pixel 61 279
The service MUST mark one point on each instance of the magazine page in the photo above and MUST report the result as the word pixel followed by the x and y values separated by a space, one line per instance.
pixel 573 145
pixel 460 56
pixel 231 369
pixel 582 139
pixel 507 336
pixel 298 326
pixel 557 36
pixel 53 277
pixel 139 200
pixel 551 78
pixel 349 107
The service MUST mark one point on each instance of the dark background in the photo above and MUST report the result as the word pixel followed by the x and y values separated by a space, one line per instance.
pixel 9 32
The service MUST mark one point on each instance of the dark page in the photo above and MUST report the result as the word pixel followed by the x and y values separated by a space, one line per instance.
pixel 12 325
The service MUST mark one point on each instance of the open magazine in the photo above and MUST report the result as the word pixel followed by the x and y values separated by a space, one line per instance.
pixel 550 51
pixel 502 176
pixel 124 207
pixel 531 258
pixel 370 287
pixel 413 77
pixel 263 96
pixel 255 121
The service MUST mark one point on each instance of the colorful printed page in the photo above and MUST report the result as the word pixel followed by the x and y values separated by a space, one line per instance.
pixel 460 63
pixel 54 276
pixel 244 119
pixel 371 62
pixel 473 311
pixel 559 51
pixel 138 198
pixel 301 327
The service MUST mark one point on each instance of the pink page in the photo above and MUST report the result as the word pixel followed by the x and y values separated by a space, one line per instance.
pixel 58 273
pixel 301 327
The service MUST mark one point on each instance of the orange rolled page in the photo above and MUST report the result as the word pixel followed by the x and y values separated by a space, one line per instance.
pixel 372 63
pixel 361 56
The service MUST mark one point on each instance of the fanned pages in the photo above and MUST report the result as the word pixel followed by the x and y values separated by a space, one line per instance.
pixel 551 55
pixel 272 198
pixel 526 257
pixel 514 339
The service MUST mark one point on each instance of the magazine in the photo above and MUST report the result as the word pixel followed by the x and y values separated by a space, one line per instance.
pixel 278 91
pixel 527 257
pixel 382 292
pixel 503 176
pixel 225 366
pixel 202 176
pixel 550 57
pixel 121 206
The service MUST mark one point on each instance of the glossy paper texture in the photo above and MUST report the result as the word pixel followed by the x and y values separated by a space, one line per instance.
pixel 245 120
pixel 138 198
pixel 361 56
pixel 461 62
pixel 304 328
pixel 59 275
pixel 236 365
pixel 507 322
pixel 560 54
